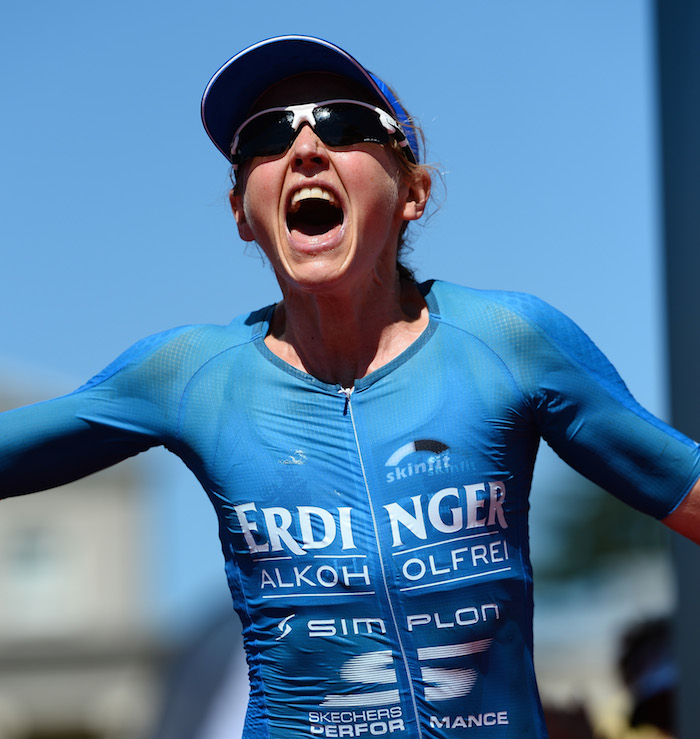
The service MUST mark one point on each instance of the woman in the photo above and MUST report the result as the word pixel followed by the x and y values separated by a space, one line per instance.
pixel 368 442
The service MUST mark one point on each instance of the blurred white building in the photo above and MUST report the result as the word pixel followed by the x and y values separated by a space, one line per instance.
pixel 77 656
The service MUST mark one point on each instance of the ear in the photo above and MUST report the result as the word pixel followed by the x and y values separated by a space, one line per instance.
pixel 236 200
pixel 418 194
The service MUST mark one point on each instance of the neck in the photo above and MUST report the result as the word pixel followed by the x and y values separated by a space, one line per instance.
pixel 340 338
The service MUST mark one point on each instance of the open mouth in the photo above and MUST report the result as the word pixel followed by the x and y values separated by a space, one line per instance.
pixel 313 211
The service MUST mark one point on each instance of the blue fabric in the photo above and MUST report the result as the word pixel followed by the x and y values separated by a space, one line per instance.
pixel 375 541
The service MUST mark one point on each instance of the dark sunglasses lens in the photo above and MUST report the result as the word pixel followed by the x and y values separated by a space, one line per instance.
pixel 340 124
pixel 266 135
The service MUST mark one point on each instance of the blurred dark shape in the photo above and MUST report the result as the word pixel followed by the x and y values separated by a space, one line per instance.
pixel 568 722
pixel 198 684
pixel 649 672
pixel 677 75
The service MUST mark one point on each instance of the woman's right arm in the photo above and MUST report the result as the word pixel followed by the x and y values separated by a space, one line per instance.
pixel 120 412
pixel 55 442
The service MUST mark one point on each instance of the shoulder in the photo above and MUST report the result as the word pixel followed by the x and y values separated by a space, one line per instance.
pixel 529 335
pixel 499 313
pixel 180 352
pixel 521 328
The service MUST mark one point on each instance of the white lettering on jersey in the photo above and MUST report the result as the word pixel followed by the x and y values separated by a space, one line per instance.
pixel 298 530
pixel 278 521
pixel 479 505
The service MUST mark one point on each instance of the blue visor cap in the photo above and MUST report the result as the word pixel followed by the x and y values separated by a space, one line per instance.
pixel 233 90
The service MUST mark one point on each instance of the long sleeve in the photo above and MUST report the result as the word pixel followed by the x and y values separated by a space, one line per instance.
pixel 52 443
pixel 587 415
pixel 576 400
pixel 120 412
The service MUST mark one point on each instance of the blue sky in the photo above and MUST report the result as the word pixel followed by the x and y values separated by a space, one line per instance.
pixel 114 220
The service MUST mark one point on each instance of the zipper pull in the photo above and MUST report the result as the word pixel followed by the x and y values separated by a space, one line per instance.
pixel 347 392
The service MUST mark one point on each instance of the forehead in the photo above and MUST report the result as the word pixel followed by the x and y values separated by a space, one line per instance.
pixel 311 88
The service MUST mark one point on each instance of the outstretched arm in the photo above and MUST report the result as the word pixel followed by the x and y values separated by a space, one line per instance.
pixel 55 442
pixel 128 407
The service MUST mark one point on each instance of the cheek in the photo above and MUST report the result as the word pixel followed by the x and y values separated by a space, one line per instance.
pixel 381 195
pixel 381 180
pixel 260 199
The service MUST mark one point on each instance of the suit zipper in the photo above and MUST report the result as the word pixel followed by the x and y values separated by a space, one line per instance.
pixel 348 410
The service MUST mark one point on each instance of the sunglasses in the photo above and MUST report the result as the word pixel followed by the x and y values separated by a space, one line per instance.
pixel 336 122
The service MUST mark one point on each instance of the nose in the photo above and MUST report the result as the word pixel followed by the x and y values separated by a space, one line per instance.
pixel 307 150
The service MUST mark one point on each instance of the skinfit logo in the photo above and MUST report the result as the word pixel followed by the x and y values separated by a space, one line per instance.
pixel 436 460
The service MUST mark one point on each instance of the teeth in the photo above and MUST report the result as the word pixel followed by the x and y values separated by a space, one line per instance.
pixel 308 193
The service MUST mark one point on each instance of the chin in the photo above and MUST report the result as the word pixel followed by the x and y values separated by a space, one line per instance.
pixel 317 278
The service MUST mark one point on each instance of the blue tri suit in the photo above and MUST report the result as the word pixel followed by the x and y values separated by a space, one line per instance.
pixel 375 538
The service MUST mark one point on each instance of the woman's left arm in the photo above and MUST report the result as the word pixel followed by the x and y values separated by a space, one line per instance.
pixel 686 518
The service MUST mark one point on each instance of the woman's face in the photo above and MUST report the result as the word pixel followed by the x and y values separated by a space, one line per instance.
pixel 327 218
